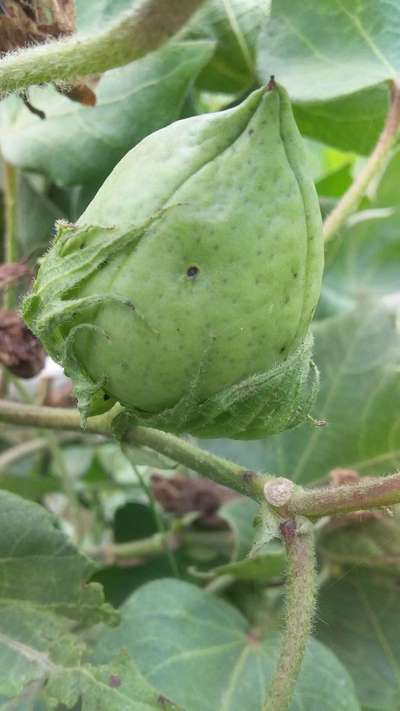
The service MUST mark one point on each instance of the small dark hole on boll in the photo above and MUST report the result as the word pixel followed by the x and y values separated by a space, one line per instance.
pixel 106 397
pixel 192 272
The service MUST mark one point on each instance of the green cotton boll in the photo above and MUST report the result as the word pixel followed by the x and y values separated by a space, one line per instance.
pixel 186 290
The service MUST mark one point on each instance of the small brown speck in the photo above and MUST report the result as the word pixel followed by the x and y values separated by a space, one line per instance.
pixel 114 681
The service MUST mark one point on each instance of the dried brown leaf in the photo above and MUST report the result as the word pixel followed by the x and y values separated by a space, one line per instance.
pixel 12 273
pixel 20 350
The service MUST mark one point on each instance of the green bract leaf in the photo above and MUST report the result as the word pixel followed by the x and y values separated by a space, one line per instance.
pixel 78 144
pixel 199 650
pixel 151 299
pixel 358 355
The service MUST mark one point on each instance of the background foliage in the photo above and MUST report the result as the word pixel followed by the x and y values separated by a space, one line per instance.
pixel 89 617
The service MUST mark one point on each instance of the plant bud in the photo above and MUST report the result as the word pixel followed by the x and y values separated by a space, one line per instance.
pixel 186 290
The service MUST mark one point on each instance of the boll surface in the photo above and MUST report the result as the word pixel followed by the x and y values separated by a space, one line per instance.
pixel 186 289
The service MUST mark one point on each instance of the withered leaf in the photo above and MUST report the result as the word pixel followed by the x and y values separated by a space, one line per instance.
pixel 181 495
pixel 13 272
pixel 24 22
pixel 20 350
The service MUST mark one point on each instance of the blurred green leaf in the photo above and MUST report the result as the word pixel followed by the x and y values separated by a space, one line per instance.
pixel 360 622
pixel 77 144
pixel 30 486
pixel 330 49
pixel 387 193
pixel 350 123
pixel 260 569
pixel 199 650
pixel 372 541
pixel 94 15
pixel 239 515
pixel 235 26
pixel 335 183
pixel 42 570
pixel 358 354
pixel 36 215
pixel 363 261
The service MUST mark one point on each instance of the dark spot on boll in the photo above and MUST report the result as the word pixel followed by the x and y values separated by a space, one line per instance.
pixel 295 275
pixel 282 350
pixel 103 264
pixel 130 305
pixel 251 131
pixel 192 272
pixel 106 396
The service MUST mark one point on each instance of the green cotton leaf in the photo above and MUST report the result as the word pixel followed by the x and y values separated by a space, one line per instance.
pixel 363 261
pixel 260 569
pixel 198 650
pixel 36 215
pixel 350 123
pixel 370 542
pixel 235 26
pixel 113 687
pixel 41 571
pixel 92 16
pixel 360 622
pixel 358 354
pixel 323 50
pixel 240 516
pixel 79 144
pixel 387 192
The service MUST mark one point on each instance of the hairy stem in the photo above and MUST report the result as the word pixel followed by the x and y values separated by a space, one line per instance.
pixel 217 469
pixel 352 198
pixel 300 605
pixel 10 228
pixel 145 28
pixel 351 497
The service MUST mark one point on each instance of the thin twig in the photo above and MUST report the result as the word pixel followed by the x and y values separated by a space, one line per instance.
pixel 300 606
pixel 21 451
pixel 222 471
pixel 352 198
pixel 10 180
pixel 142 30
pixel 146 547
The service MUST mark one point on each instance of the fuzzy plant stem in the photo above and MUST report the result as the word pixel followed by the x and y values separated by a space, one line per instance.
pixel 220 470
pixel 352 198
pixel 300 606
pixel 329 500
pixel 142 30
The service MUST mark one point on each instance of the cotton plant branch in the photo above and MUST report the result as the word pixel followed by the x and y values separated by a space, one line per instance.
pixel 220 470
pixel 287 499
pixel 141 30
pixel 352 198
pixel 300 606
